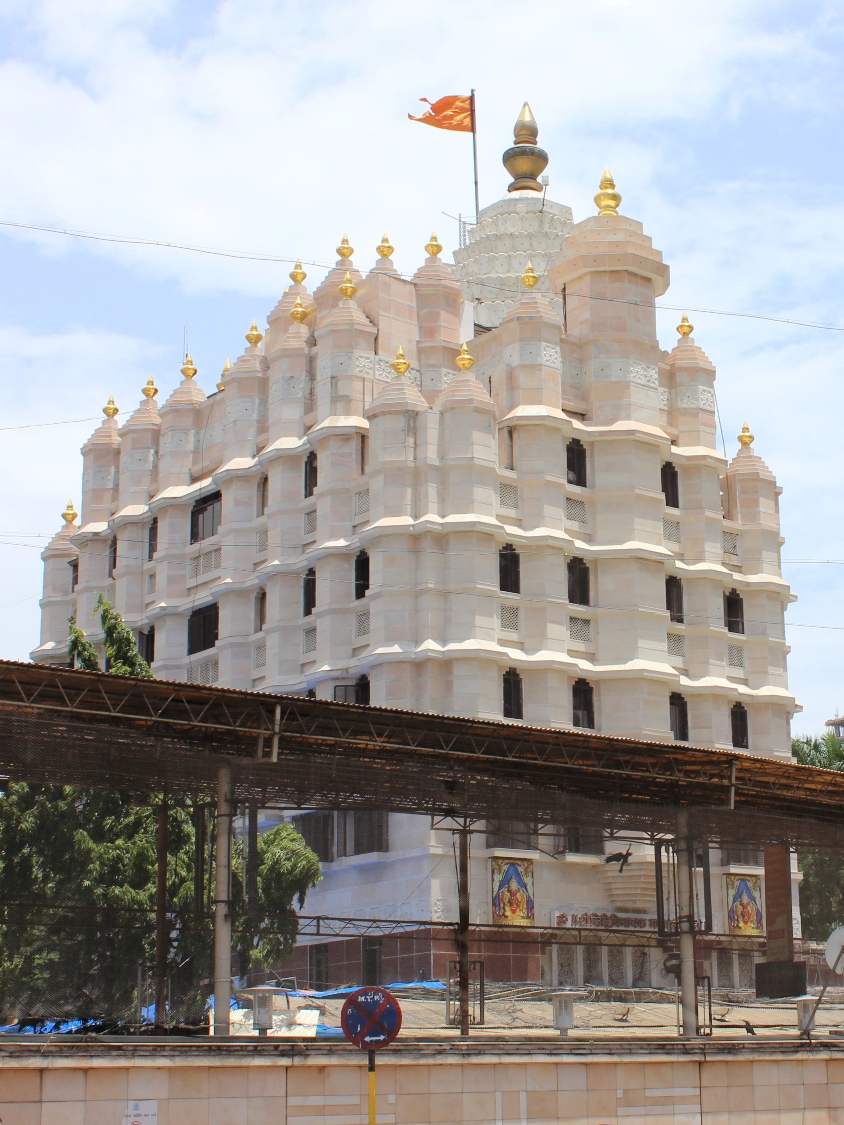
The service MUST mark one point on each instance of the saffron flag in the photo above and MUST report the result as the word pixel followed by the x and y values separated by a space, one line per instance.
pixel 453 112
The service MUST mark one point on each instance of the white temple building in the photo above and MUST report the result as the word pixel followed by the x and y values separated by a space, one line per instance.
pixel 526 519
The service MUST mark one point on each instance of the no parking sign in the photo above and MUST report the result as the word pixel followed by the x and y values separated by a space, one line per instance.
pixel 371 1019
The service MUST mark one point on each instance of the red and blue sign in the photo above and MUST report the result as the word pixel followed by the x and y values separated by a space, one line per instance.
pixel 371 1018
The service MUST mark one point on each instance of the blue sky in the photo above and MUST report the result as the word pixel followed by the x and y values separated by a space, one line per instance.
pixel 274 127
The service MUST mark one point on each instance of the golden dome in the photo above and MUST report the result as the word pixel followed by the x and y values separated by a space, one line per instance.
pixel 400 364
pixel 464 360
pixel 298 312
pixel 745 437
pixel 525 160
pixel 110 410
pixel 530 277
pixel 149 390
pixel 344 250
pixel 187 368
pixel 69 514
pixel 253 336
pixel 384 249
pixel 297 275
pixel 684 328
pixel 433 247
pixel 227 366
pixel 607 198
pixel 348 288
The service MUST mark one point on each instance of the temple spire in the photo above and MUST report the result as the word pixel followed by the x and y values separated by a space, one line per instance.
pixel 525 161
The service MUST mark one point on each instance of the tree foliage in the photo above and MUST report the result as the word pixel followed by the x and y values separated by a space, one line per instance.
pixel 822 889
pixel 121 648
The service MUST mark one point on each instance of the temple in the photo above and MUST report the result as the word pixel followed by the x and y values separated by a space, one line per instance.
pixel 481 490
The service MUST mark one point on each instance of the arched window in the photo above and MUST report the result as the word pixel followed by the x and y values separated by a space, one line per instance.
pixel 513 699
pixel 152 538
pixel 671 485
pixel 310 473
pixel 263 497
pixel 679 716
pixel 576 462
pixel 583 705
pixel 509 575
pixel 674 598
pixel 308 592
pixel 738 726
pixel 734 612
pixel 361 575
pixel 578 582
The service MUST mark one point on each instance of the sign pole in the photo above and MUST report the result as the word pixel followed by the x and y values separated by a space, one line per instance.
pixel 371 1077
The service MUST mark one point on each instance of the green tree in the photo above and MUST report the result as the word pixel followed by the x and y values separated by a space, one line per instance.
pixel 822 889
pixel 121 648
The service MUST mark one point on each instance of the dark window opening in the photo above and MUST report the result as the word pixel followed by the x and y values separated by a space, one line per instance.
pixel 738 724
pixel 509 570
pixel 357 692
pixel 578 582
pixel 742 856
pixel 576 462
pixel 74 574
pixel 509 451
pixel 363 452
pixel 203 628
pixel 263 495
pixel 146 645
pixel 370 961
pixel 361 575
pixel 360 831
pixel 205 517
pixel 671 485
pixel 734 612
pixel 318 966
pixel 674 598
pixel 583 705
pixel 260 610
pixel 152 539
pixel 581 841
pixel 112 557
pixel 512 834
pixel 308 592
pixel 310 474
pixel 317 830
pixel 513 698
pixel 679 717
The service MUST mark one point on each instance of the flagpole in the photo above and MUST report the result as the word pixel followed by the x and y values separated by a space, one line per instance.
pixel 475 158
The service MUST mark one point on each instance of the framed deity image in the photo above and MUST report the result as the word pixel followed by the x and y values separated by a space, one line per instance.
pixel 744 905
pixel 512 892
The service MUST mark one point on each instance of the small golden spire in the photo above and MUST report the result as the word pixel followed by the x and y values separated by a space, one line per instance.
pixel 745 437
pixel 607 198
pixel 400 364
pixel 530 277
pixel 253 336
pixel 525 131
pixel 188 369
pixel 110 410
pixel 298 312
pixel 149 390
pixel 344 250
pixel 297 274
pixel 384 249
pixel 684 328
pixel 69 514
pixel 464 360
pixel 348 288
pixel 227 366
pixel 433 247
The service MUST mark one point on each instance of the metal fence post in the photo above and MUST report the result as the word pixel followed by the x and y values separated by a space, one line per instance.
pixel 222 915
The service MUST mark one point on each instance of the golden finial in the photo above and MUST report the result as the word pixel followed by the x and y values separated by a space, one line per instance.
pixel 297 274
pixel 745 437
pixel 464 361
pixel 110 410
pixel 149 390
pixel 433 247
pixel 525 131
pixel 188 369
pixel 348 288
pixel 525 160
pixel 530 277
pixel 384 249
pixel 607 198
pixel 298 312
pixel 684 328
pixel 227 366
pixel 344 250
pixel 400 364
pixel 69 514
pixel 253 336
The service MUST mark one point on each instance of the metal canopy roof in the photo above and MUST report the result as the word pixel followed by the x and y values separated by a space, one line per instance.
pixel 62 726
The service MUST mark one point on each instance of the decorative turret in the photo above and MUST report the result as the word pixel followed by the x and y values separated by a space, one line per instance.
pixel 607 199
pixel 691 390
pixel 525 161
pixel 138 443
pixel 439 309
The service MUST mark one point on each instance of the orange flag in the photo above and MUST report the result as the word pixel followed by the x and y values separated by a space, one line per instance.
pixel 453 112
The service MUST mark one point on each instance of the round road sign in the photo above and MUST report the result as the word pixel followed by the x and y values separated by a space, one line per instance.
pixel 833 949
pixel 371 1018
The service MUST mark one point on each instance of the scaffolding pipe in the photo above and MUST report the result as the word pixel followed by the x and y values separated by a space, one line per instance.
pixel 463 928
pixel 161 928
pixel 688 986
pixel 222 915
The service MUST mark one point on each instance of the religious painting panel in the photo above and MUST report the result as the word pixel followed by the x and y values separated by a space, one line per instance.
pixel 512 892
pixel 744 905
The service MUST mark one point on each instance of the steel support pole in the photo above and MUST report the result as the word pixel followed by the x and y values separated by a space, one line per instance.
pixel 222 917
pixel 685 903
pixel 161 928
pixel 463 928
